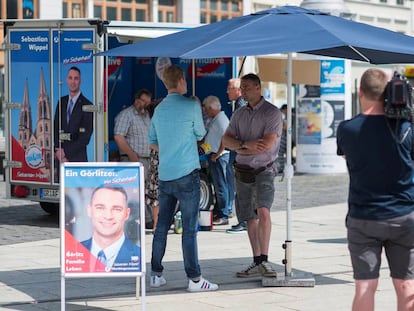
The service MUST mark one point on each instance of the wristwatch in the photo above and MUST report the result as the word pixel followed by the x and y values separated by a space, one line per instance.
pixel 242 145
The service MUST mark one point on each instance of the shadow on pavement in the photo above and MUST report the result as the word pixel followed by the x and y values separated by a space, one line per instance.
pixel 27 215
pixel 41 286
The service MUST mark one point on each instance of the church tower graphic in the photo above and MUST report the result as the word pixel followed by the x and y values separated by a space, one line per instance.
pixel 43 122
pixel 25 122
pixel 41 137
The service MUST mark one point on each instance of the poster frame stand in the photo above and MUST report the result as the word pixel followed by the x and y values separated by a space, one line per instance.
pixel 87 177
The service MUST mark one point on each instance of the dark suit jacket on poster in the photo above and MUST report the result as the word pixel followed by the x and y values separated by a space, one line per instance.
pixel 126 255
pixel 80 128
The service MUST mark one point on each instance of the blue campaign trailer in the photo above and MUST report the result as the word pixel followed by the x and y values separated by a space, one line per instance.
pixel 38 55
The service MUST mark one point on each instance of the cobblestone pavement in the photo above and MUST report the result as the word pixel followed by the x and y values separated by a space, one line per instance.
pixel 310 190
pixel 24 221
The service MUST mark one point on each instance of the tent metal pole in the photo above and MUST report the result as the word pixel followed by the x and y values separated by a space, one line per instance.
pixel 290 279
pixel 193 63
pixel 289 169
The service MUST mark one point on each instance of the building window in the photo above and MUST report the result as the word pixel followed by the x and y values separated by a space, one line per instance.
pixel 166 2
pixel 126 14
pixel 140 15
pixel 400 2
pixel 213 5
pixel 64 10
pixel 212 11
pixel 73 9
pixel 28 9
pixel 203 18
pixel 170 17
pixel 384 20
pixel 400 22
pixel 111 13
pixel 236 6
pixel 97 11
pixel 19 9
pixel 128 10
pixel 76 10
pixel 166 11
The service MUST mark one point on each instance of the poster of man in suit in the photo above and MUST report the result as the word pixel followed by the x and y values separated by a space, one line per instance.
pixel 72 120
pixel 72 123
pixel 50 68
pixel 101 222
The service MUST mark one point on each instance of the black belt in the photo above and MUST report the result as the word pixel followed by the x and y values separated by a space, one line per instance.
pixel 262 168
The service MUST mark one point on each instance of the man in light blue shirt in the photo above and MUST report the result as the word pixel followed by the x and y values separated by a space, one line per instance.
pixel 175 128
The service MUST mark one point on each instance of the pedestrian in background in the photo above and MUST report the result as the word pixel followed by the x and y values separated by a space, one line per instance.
pixel 151 183
pixel 176 127
pixel 131 135
pixel 378 153
pixel 218 159
pixel 131 129
pixel 254 132
pixel 236 101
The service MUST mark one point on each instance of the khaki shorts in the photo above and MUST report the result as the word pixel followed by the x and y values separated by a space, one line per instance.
pixel 251 196
pixel 367 238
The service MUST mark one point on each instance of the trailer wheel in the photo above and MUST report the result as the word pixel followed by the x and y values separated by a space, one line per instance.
pixel 206 192
pixel 50 208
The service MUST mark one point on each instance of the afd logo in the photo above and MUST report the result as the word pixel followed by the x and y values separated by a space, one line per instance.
pixel 33 156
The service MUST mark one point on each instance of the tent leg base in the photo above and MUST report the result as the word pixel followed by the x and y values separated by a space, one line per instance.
pixel 294 280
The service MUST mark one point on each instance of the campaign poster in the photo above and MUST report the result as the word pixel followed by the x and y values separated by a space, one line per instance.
pixel 333 112
pixel 38 71
pixel 68 54
pixel 102 205
pixel 309 121
pixel 30 126
pixel 316 150
pixel 332 77
pixel 209 76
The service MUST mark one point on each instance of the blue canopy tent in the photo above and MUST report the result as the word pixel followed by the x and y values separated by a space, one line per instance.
pixel 281 30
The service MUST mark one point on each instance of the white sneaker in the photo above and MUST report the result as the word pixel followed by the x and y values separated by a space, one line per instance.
pixel 157 281
pixel 201 286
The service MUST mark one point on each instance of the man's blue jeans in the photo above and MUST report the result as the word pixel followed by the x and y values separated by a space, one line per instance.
pixel 186 190
pixel 230 182
pixel 218 171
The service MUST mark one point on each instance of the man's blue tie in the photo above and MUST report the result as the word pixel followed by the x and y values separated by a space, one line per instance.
pixel 102 257
pixel 69 111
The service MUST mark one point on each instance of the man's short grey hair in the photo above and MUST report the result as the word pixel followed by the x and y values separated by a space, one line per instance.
pixel 212 102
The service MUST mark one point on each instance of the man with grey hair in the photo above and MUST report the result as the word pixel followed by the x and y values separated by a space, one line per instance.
pixel 237 101
pixel 218 159
pixel 234 94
